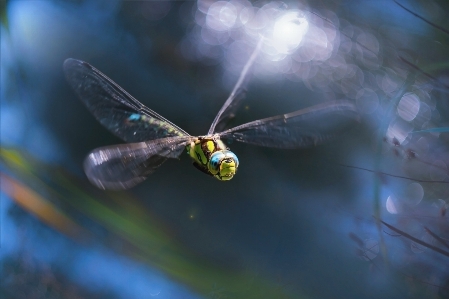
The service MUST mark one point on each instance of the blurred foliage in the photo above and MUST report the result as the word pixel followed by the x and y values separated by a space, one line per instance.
pixel 127 223
pixel 3 13
pixel 24 277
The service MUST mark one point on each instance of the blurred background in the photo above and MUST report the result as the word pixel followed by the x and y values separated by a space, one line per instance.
pixel 363 216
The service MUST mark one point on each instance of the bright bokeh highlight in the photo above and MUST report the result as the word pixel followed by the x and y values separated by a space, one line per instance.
pixel 288 32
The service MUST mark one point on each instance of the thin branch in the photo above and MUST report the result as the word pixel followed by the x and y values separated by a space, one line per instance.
pixel 390 234
pixel 393 175
pixel 441 240
pixel 422 18
pixel 414 66
pixel 404 234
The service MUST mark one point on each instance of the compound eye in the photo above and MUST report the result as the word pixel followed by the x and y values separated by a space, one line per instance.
pixel 223 165
pixel 215 161
pixel 231 157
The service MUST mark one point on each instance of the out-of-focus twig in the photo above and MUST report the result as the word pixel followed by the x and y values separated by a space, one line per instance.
pixel 414 66
pixel 422 18
pixel 416 240
pixel 438 238
pixel 393 175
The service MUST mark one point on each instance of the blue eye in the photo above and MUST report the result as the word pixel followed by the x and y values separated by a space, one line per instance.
pixel 215 160
pixel 231 155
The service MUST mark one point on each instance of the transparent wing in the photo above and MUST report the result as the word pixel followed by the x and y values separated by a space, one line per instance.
pixel 302 128
pixel 238 93
pixel 123 166
pixel 114 108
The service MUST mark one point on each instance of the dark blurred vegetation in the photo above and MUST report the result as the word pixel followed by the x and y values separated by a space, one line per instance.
pixel 292 224
pixel 25 277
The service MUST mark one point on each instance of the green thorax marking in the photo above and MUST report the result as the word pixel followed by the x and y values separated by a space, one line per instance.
pixel 203 149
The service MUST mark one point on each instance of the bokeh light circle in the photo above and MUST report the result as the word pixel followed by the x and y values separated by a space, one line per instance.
pixel 408 106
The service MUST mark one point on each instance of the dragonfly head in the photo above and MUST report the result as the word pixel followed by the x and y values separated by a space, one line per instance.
pixel 223 165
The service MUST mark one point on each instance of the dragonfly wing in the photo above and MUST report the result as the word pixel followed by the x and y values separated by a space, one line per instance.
pixel 123 166
pixel 114 108
pixel 227 117
pixel 238 93
pixel 302 128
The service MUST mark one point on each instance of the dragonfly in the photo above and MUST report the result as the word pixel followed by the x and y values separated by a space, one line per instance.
pixel 152 139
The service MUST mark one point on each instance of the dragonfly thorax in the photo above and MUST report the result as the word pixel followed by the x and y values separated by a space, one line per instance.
pixel 210 155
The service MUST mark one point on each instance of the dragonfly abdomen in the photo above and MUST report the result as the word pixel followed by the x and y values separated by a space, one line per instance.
pixel 161 128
